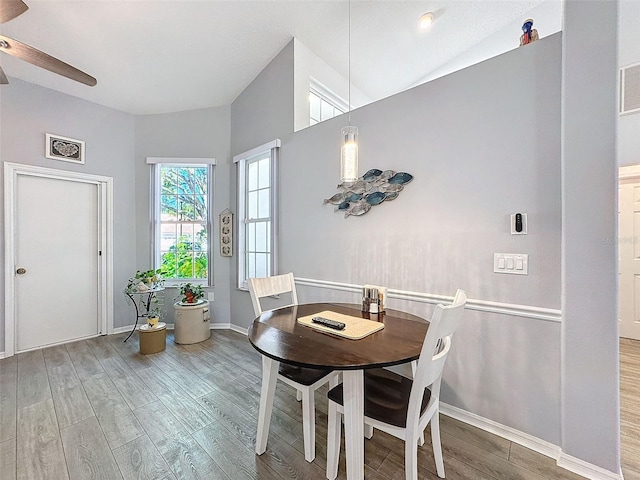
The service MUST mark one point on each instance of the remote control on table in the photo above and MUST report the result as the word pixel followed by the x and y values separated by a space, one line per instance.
pixel 328 323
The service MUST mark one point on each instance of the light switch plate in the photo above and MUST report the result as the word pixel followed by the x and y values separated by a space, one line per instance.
pixel 511 263
pixel 210 296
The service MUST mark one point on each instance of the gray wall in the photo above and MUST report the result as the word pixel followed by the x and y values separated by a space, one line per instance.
pixel 477 154
pixel 261 113
pixel 589 261
pixel 192 134
pixel 28 112
pixel 264 110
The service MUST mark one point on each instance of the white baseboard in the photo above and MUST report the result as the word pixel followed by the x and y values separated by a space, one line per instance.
pixel 242 330
pixel 585 469
pixel 170 326
pixel 220 326
pixel 563 460
pixel 118 330
pixel 521 438
pixel 1 355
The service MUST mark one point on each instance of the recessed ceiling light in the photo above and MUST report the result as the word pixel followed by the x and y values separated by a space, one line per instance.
pixel 426 20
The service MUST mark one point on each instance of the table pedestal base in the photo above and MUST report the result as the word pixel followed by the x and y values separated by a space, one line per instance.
pixel 353 387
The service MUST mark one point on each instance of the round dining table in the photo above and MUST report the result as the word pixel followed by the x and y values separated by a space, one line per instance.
pixel 280 337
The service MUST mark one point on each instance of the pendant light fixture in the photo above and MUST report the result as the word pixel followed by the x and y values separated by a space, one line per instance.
pixel 349 151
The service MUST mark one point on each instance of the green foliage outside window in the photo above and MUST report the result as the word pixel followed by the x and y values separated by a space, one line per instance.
pixel 184 210
pixel 185 260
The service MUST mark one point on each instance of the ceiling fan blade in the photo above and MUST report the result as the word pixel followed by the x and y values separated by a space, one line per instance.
pixel 3 78
pixel 10 9
pixel 41 59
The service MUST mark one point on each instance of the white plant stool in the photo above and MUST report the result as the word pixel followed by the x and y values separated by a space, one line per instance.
pixel 192 322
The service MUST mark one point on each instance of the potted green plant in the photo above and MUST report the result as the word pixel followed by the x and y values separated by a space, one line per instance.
pixel 153 315
pixel 190 293
pixel 146 280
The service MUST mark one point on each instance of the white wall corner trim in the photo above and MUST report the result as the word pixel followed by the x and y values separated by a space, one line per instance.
pixel 545 448
pixel 547 314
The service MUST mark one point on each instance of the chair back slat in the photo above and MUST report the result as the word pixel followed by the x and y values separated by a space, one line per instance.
pixel 435 349
pixel 271 286
pixel 437 362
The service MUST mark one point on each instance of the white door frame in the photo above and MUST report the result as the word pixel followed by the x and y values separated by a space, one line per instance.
pixel 628 172
pixel 105 234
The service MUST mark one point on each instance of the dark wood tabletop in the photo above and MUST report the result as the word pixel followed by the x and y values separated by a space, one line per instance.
pixel 278 335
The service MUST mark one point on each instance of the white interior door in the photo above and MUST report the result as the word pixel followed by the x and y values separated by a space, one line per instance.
pixel 629 261
pixel 57 244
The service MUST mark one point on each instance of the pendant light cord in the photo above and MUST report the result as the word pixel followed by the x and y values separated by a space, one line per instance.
pixel 349 66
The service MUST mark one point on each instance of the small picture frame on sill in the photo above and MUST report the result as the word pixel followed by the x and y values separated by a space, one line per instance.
pixel 64 148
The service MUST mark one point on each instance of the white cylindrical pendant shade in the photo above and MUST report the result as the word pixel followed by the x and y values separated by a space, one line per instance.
pixel 349 154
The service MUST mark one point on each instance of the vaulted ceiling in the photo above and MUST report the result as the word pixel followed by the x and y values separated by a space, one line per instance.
pixel 164 56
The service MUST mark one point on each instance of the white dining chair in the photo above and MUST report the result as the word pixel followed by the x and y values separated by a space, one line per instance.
pixel 305 380
pixel 398 405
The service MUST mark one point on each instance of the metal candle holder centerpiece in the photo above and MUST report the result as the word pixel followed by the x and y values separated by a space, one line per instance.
pixel 373 299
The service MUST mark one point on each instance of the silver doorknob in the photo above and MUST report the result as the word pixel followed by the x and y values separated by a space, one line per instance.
pixel 21 271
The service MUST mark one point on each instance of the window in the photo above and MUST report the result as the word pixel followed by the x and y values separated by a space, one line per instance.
pixel 181 204
pixel 323 103
pixel 256 212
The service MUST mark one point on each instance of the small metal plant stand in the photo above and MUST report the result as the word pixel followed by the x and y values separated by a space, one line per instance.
pixel 142 310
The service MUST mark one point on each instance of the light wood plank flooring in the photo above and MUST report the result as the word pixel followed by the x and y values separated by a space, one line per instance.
pixel 97 409
pixel 630 407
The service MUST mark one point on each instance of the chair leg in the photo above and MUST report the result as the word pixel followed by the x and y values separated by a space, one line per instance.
pixel 368 431
pixel 435 441
pixel 334 432
pixel 267 392
pixel 414 367
pixel 411 457
pixel 309 424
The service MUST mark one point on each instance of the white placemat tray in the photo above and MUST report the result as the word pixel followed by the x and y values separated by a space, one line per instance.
pixel 356 327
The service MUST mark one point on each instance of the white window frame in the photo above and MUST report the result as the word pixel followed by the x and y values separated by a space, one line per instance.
pixel 272 149
pixel 327 95
pixel 157 163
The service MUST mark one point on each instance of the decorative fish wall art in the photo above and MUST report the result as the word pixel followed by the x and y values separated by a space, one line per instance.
pixel 373 188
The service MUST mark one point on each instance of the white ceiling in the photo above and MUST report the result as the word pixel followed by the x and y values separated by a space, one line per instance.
pixel 174 55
